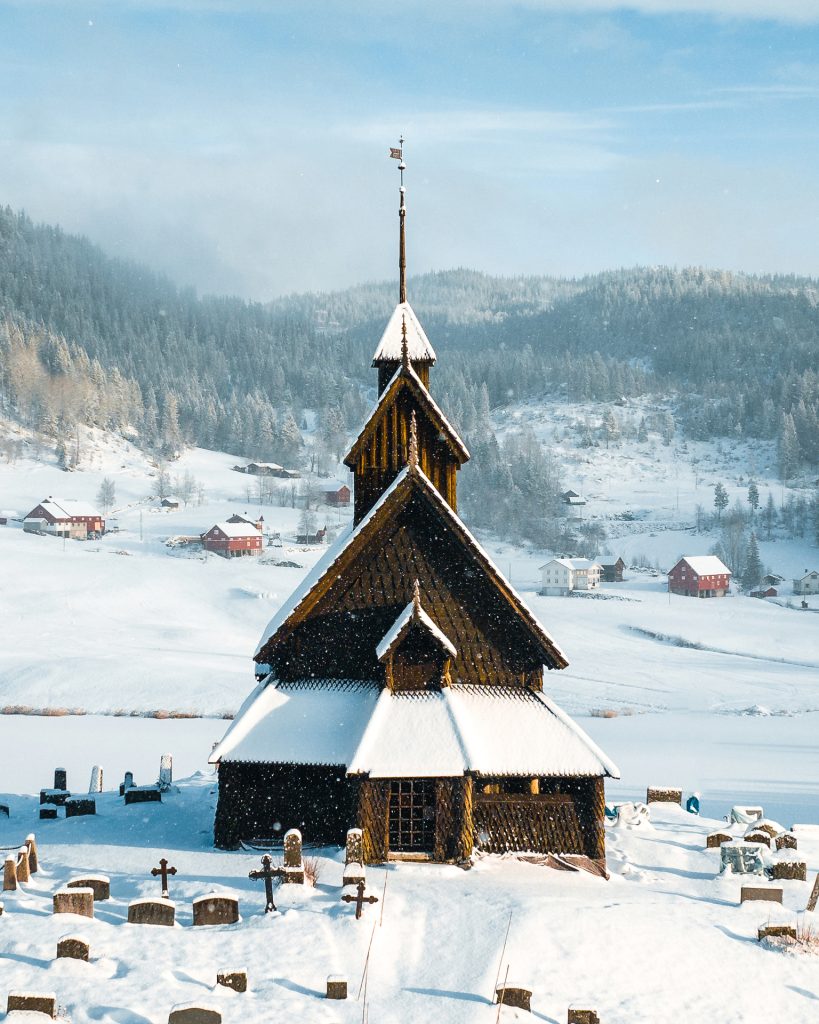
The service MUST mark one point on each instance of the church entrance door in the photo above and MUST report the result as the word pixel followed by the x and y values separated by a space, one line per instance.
pixel 412 815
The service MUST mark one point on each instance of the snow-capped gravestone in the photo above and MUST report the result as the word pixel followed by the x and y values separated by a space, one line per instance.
pixel 715 839
pixel 354 858
pixel 577 1016
pixel 60 779
pixel 194 1013
pixel 33 856
pixel 293 864
pixel 788 866
pixel 236 980
pixel 31 1002
pixel 100 885
pixel 785 841
pixel 127 783
pixel 76 806
pixel 56 797
pixel 142 795
pixel 74 901
pixel 72 947
pixel 23 873
pixel 514 995
pixel 151 911
pixel 742 814
pixel 813 899
pixel 756 835
pixel 48 813
pixel 336 987
pixel 215 908
pixel 10 873
pixel 165 772
pixel 95 785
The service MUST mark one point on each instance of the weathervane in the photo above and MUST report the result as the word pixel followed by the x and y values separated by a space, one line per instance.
pixel 398 154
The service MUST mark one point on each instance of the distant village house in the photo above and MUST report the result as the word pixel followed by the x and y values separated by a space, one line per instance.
pixel 563 575
pixel 257 523
pixel 170 502
pixel 611 568
pixel 768 592
pixel 268 469
pixel 75 519
pixel 336 494
pixel 572 498
pixel 807 584
pixel 233 540
pixel 700 576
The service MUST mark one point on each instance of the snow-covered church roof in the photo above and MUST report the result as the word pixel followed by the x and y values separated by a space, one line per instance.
pixel 418 346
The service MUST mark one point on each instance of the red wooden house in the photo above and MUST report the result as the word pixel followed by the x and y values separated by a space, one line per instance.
pixel 700 576
pixel 65 518
pixel 233 540
pixel 336 494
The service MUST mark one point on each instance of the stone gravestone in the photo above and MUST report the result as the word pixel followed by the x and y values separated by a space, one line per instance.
pixel 57 797
pixel 23 873
pixel 4 810
pixel 293 863
pixel 100 885
pixel 73 948
pixel 663 795
pixel 743 815
pixel 142 795
pixel 715 839
pixel 48 813
pixel 45 1002
pixel 789 869
pixel 76 806
pixel 776 931
pixel 74 901
pixel 95 785
pixel 757 892
pixel 577 1016
pixel 127 783
pixel 757 836
pixel 60 778
pixel 33 855
pixel 742 859
pixel 215 908
pixel 194 1013
pixel 151 911
pixel 237 980
pixel 785 841
pixel 10 873
pixel 354 858
pixel 165 772
pixel 336 987
pixel 514 995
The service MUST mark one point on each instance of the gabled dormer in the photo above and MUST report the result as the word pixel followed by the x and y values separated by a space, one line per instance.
pixel 415 653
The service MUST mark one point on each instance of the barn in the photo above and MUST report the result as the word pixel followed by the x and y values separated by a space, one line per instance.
pixel 700 576
pixel 336 494
pixel 77 519
pixel 405 688
pixel 611 568
pixel 233 540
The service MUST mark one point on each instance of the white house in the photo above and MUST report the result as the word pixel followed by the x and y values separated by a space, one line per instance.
pixel 807 584
pixel 562 575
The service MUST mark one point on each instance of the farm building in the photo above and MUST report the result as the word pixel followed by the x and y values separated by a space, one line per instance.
pixel 807 584
pixel 336 494
pixel 572 498
pixel 772 579
pixel 405 686
pixel 561 576
pixel 257 523
pixel 76 519
pixel 611 568
pixel 700 576
pixel 269 469
pixel 170 502
pixel 233 540
pixel 767 592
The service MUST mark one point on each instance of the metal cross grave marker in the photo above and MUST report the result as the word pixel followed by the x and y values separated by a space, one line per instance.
pixel 163 870
pixel 359 899
pixel 268 873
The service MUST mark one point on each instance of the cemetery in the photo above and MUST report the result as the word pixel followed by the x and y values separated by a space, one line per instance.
pixel 131 915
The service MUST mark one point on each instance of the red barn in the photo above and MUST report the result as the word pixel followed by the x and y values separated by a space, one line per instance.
pixel 700 576
pixel 65 518
pixel 336 494
pixel 232 540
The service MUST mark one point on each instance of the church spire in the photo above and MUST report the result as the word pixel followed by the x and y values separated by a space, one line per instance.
pixel 402 229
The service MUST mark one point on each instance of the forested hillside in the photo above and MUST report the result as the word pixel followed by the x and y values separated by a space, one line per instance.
pixel 88 338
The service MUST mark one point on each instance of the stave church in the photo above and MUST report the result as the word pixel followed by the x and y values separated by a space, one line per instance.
pixel 403 687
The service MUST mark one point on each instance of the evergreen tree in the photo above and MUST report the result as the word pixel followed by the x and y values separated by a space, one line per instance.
pixel 753 565
pixel 753 497
pixel 787 447
pixel 720 500
pixel 769 515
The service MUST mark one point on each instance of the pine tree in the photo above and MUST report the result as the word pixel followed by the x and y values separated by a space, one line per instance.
pixel 720 500
pixel 769 515
pixel 787 447
pixel 753 565
pixel 753 498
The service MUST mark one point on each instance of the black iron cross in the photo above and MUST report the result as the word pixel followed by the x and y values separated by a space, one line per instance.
pixel 163 870
pixel 359 899
pixel 268 873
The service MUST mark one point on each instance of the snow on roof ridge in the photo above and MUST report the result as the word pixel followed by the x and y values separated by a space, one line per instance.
pixel 406 616
pixel 389 347
pixel 708 564
pixel 568 721
pixel 243 529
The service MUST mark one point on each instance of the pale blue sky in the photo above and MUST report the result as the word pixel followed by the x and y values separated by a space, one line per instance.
pixel 242 146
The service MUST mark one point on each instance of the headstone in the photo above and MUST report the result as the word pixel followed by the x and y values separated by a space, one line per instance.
pixel 23 873
pixel 4 810
pixel 237 980
pixel 663 795
pixel 765 894
pixel 267 873
pixel 10 873
pixel 785 841
pixel 100 885
pixel 151 911
pixel 336 986
pixel 744 815
pixel 582 1016
pixel 74 901
pixel 777 931
pixel 33 856
pixel 757 836
pixel 95 785
pixel 772 828
pixel 194 1013
pixel 514 995
pixel 293 863
pixel 813 899
pixel 72 948
pixel 76 806
pixel 48 813
pixel 796 870
pixel 142 795
pixel 716 839
pixel 215 908
pixel 354 858
pixel 359 899
pixel 741 858
pixel 127 783
pixel 165 772
pixel 57 797
pixel 45 1002
pixel 60 778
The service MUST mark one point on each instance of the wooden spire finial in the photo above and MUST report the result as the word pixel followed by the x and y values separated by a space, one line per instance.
pixel 416 595
pixel 404 343
pixel 413 441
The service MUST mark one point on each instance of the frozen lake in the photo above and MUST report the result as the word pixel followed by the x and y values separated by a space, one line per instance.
pixel 727 758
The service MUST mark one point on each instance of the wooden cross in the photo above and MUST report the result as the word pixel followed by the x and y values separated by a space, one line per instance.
pixel 268 873
pixel 359 899
pixel 163 870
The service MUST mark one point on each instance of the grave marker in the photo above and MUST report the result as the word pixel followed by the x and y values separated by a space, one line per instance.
pixel 164 871
pixel 514 995
pixel 237 980
pixel 151 911
pixel 23 873
pixel 76 806
pixel 73 948
pixel 776 931
pixel 194 1013
pixel 757 836
pixel 336 987
pixel 268 873
pixel 95 785
pixel 354 858
pixel 100 885
pixel 715 839
pixel 796 870
pixel 165 772
pixel 142 795
pixel 57 797
pixel 583 1016
pixel 48 813
pixel 60 778
pixel 359 899
pixel 293 863
pixel 757 892
pixel 127 783
pixel 786 841
pixel 33 856
pixel 663 795
pixel 10 873
pixel 741 858
pixel 743 815
pixel 215 908
pixel 74 901
pixel 813 899
pixel 44 1003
